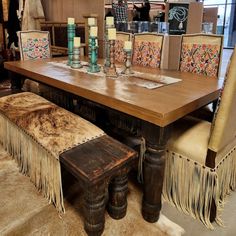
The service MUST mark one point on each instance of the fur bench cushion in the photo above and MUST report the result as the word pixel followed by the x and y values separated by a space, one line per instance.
pixel 36 131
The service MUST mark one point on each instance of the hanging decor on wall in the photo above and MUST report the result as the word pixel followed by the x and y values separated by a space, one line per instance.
pixel 178 16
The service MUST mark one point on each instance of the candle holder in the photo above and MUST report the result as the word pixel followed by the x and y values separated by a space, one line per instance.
pixel 71 35
pixel 93 66
pixel 89 45
pixel 76 58
pixel 107 49
pixel 127 70
pixel 111 70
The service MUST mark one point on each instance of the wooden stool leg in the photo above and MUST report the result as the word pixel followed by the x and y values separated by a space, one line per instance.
pixel 118 189
pixel 94 210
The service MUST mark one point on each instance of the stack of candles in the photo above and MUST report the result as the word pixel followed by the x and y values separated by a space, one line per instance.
pixel 93 46
pixel 128 52
pixel 111 35
pixel 110 21
pixel 93 31
pixel 76 54
pixel 91 23
pixel 109 24
pixel 127 46
pixel 71 35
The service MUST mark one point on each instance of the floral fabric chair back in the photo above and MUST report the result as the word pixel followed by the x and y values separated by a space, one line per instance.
pixel 34 45
pixel 121 37
pixel 201 54
pixel 147 49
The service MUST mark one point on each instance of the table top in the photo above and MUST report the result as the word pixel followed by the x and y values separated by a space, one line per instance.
pixel 160 106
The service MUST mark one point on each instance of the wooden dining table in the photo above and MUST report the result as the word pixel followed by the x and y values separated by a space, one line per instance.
pixel 157 109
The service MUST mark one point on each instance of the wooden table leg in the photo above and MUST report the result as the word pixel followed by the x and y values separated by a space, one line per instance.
pixel 118 190
pixel 94 209
pixel 153 169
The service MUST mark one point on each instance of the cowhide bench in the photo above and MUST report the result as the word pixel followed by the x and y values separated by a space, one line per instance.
pixel 40 135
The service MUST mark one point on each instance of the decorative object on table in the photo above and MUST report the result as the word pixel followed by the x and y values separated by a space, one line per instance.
pixel 91 23
pixel 109 25
pixel 70 35
pixel 76 54
pixel 93 66
pixel 128 51
pixel 111 70
pixel 121 37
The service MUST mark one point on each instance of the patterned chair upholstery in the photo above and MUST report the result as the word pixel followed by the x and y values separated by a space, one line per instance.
pixel 121 37
pixel 34 45
pixel 147 49
pixel 201 158
pixel 201 54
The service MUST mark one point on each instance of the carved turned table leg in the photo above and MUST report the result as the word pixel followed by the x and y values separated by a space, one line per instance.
pixel 94 209
pixel 118 189
pixel 153 169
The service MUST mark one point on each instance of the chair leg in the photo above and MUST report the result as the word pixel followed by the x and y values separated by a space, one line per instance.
pixel 118 189
pixel 214 105
pixel 94 210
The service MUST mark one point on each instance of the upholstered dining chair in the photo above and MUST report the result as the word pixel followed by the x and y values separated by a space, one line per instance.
pixel 147 49
pixel 201 54
pixel 121 37
pixel 33 45
pixel 201 158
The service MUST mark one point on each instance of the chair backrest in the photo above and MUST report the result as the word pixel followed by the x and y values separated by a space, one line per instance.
pixel 121 37
pixel 201 54
pixel 147 49
pixel 34 45
pixel 223 126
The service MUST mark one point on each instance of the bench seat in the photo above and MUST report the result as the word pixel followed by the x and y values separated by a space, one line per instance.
pixel 39 134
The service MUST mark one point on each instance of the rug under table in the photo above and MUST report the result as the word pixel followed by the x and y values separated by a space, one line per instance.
pixel 24 210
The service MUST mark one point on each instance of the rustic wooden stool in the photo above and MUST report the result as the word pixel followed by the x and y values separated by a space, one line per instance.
pixel 96 164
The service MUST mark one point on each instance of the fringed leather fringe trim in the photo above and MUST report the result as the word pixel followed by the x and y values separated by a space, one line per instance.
pixel 33 160
pixel 191 187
